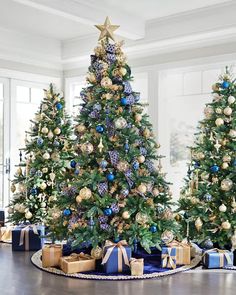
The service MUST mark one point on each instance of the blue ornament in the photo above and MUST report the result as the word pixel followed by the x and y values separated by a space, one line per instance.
pixel 103 164
pixel 187 215
pixel 67 212
pixel 39 173
pixel 39 141
pixel 215 168
pixel 34 191
pixel 126 146
pixel 107 212
pixel 225 85
pixel 135 165
pixel 56 143
pixel 208 197
pixel 123 101
pixel 59 106
pixel 32 171
pixel 153 228
pixel 125 192
pixel 100 129
pixel 196 165
pixel 116 239
pixel 208 244
pixel 91 222
pixel 72 164
pixel 110 176
pixel 76 172
pixel 234 162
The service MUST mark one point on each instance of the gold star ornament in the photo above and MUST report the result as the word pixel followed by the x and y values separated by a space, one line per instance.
pixel 107 30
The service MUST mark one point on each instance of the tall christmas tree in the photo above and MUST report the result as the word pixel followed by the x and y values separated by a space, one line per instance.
pixel 39 178
pixel 118 193
pixel 209 195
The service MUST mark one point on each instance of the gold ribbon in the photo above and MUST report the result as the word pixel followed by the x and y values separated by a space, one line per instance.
pixel 222 255
pixel 75 257
pixel 24 235
pixel 121 253
pixel 167 259
pixel 181 247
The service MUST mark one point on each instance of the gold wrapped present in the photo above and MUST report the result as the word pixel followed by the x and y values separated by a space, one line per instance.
pixel 77 263
pixel 6 234
pixel 51 255
pixel 183 252
pixel 136 266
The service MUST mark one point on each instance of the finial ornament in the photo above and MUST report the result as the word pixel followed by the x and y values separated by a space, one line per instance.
pixel 107 30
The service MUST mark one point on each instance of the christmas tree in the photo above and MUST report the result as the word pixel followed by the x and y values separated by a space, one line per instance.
pixel 40 176
pixel 209 195
pixel 118 193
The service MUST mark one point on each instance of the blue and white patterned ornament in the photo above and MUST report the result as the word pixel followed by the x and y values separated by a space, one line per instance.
pixel 128 176
pixel 115 208
pixel 91 222
pixel 135 165
pixel 143 151
pixel 111 58
pixel 208 197
pixel 130 99
pixel 127 87
pixel 102 188
pixel 97 107
pixel 59 106
pixel 125 192
pixel 136 96
pixel 39 141
pixel 126 146
pixel 150 166
pixel 114 157
pixel 94 114
pixel 107 212
pixel 103 219
pixel 111 48
pixel 67 212
pixel 105 226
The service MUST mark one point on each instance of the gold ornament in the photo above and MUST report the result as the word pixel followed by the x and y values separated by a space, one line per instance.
pixel 217 145
pixel 141 159
pixel 10 210
pixel 146 133
pixel 232 133
pixel 91 78
pixel 120 123
pixel 226 225
pixel 225 165
pixel 57 131
pixel 122 71
pixel 142 188
pixel 167 214
pixel 222 208
pixel 43 185
pixel 215 87
pixel 22 188
pixel 38 117
pixel 86 148
pixel 231 99
pixel 141 218
pixel 13 188
pixel 122 166
pixel 167 236
pixel 106 82
pixel 227 158
pixel 155 191
pixel 204 175
pixel 85 193
pixel 138 118
pixel 228 111
pixel 218 111
pixel 52 176
pixel 44 130
pixel 107 30
pixel 79 199
pixel 215 179
pixel 126 215
pixel 198 224
pixel 50 135
pixel 80 128
pixel 226 184
pixel 45 170
pixel 19 171
pixel 219 122
pixel 100 146
pixel 46 156
pixel 22 208
pixel 212 217
pixel 28 215
pixel 55 156
pixel 208 111
pixel 97 252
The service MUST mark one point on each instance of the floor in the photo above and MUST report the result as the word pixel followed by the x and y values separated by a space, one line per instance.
pixel 19 277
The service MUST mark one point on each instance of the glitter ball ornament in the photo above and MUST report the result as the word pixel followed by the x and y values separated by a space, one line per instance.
pixel 55 156
pixel 97 252
pixel 57 131
pixel 142 188
pixel 226 225
pixel 120 123
pixel 146 133
pixel 231 99
pixel 126 215
pixel 141 218
pixel 122 166
pixel 80 128
pixel 228 111
pixel 59 106
pixel 85 193
pixel 28 215
pixel 222 208
pixel 232 133
pixel 219 122
pixel 198 224
pixel 46 156
pixel 167 236
pixel 44 130
pixel 106 82
pixel 87 148
pixel 56 143
pixel 226 184
pixel 79 199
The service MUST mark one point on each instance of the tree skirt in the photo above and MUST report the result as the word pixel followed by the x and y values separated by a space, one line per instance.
pixel 36 260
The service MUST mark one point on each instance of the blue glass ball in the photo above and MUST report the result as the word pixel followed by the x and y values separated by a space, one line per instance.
pixel 72 163
pixel 107 212
pixel 39 173
pixel 225 85
pixel 59 106
pixel 103 164
pixel 110 176
pixel 100 129
pixel 56 143
pixel 215 168
pixel 208 197
pixel 39 141
pixel 67 212
pixel 135 165
pixel 34 191
pixel 123 101
pixel 153 228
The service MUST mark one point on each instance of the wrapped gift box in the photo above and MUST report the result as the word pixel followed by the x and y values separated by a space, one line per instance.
pixel 216 258
pixel 183 252
pixel 2 217
pixel 51 255
pixel 136 266
pixel 27 238
pixel 6 233
pixel 77 263
pixel 168 257
pixel 116 257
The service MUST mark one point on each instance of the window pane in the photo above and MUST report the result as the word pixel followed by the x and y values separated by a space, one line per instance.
pixel 140 84
pixel 1 91
pixel 37 95
pixel 22 94
pixel 77 89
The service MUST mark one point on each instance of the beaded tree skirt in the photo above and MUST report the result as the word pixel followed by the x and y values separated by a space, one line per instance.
pixel 36 260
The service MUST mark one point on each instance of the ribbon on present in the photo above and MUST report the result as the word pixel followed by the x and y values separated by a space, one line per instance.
pixel 181 246
pixel 167 259
pixel 222 255
pixel 136 266
pixel 76 257
pixel 24 235
pixel 121 253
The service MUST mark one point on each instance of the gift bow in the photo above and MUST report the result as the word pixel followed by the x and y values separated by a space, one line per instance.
pixel 178 244
pixel 121 253
pixel 24 235
pixel 222 254
pixel 168 259
pixel 80 256
pixel 135 260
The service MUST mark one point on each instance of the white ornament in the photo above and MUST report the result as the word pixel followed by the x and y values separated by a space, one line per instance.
pixel 120 123
pixel 219 122
pixel 43 205
pixel 231 99
pixel 208 111
pixel 28 215
pixel 50 134
pixel 232 133
pixel 226 225
pixel 52 176
pixel 225 165
pixel 57 131
pixel 44 107
pixel 43 185
pixel 222 208
pixel 218 110
pixel 16 207
pixel 228 111
pixel 44 130
pixel 10 210
pixel 46 156
pixel 226 184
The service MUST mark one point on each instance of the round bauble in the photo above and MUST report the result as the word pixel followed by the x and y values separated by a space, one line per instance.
pixel 10 210
pixel 153 228
pixel 198 224
pixel 167 236
pixel 215 168
pixel 59 106
pixel 85 193
pixel 226 184
pixel 146 133
pixel 67 212
pixel 225 165
pixel 79 199
pixel 120 123
pixel 44 130
pixel 215 87
pixel 199 156
pixel 22 208
pixel 141 159
pixel 106 82
pixel 72 163
pixel 138 118
pixel 208 111
pixel 141 218
pixel 28 215
pixel 34 191
pixel 100 129
pixel 218 111
pixel 46 156
pixel 50 135
pixel 126 215
pixel 125 192
pixel 228 111
pixel 208 244
pixel 45 170
pixel 231 99
pixel 91 78
pixel 43 185
pixel 222 208
pixel 232 133
pixel 107 212
pixel 103 164
pixel 43 205
pixel 123 71
pixel 123 101
pixel 57 131
pixel 122 166
pixel 225 84
pixel 155 192
pixel 226 225
pixel 86 148
pixel 97 252
pixel 55 156
pixel 39 141
pixel 227 159
pixel 80 128
pixel 56 214
pixel 142 188
pixel 207 197
pixel 205 175
pixel 219 122
pixel 110 177
pixel 135 165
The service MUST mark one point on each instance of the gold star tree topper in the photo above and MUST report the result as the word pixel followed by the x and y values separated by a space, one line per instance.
pixel 107 30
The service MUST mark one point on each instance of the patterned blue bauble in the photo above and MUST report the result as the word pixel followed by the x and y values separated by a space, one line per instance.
pixel 100 129
pixel 115 208
pixel 72 163
pixel 39 173
pixel 208 197
pixel 59 106
pixel 32 171
pixel 103 164
pixel 196 165
pixel 110 176
pixel 107 212
pixel 135 165
pixel 34 191
pixel 214 168
pixel 153 228
pixel 39 141
pixel 225 85
pixel 125 192
pixel 208 244
pixel 67 212
pixel 123 101
pixel 56 143
pixel 76 172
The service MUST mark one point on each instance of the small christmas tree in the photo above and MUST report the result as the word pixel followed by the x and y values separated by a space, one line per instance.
pixel 209 195
pixel 39 178
pixel 118 193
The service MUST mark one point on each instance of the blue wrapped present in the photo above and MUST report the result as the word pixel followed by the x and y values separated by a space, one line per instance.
pixel 27 238
pixel 116 257
pixel 216 258
pixel 2 217
pixel 168 257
